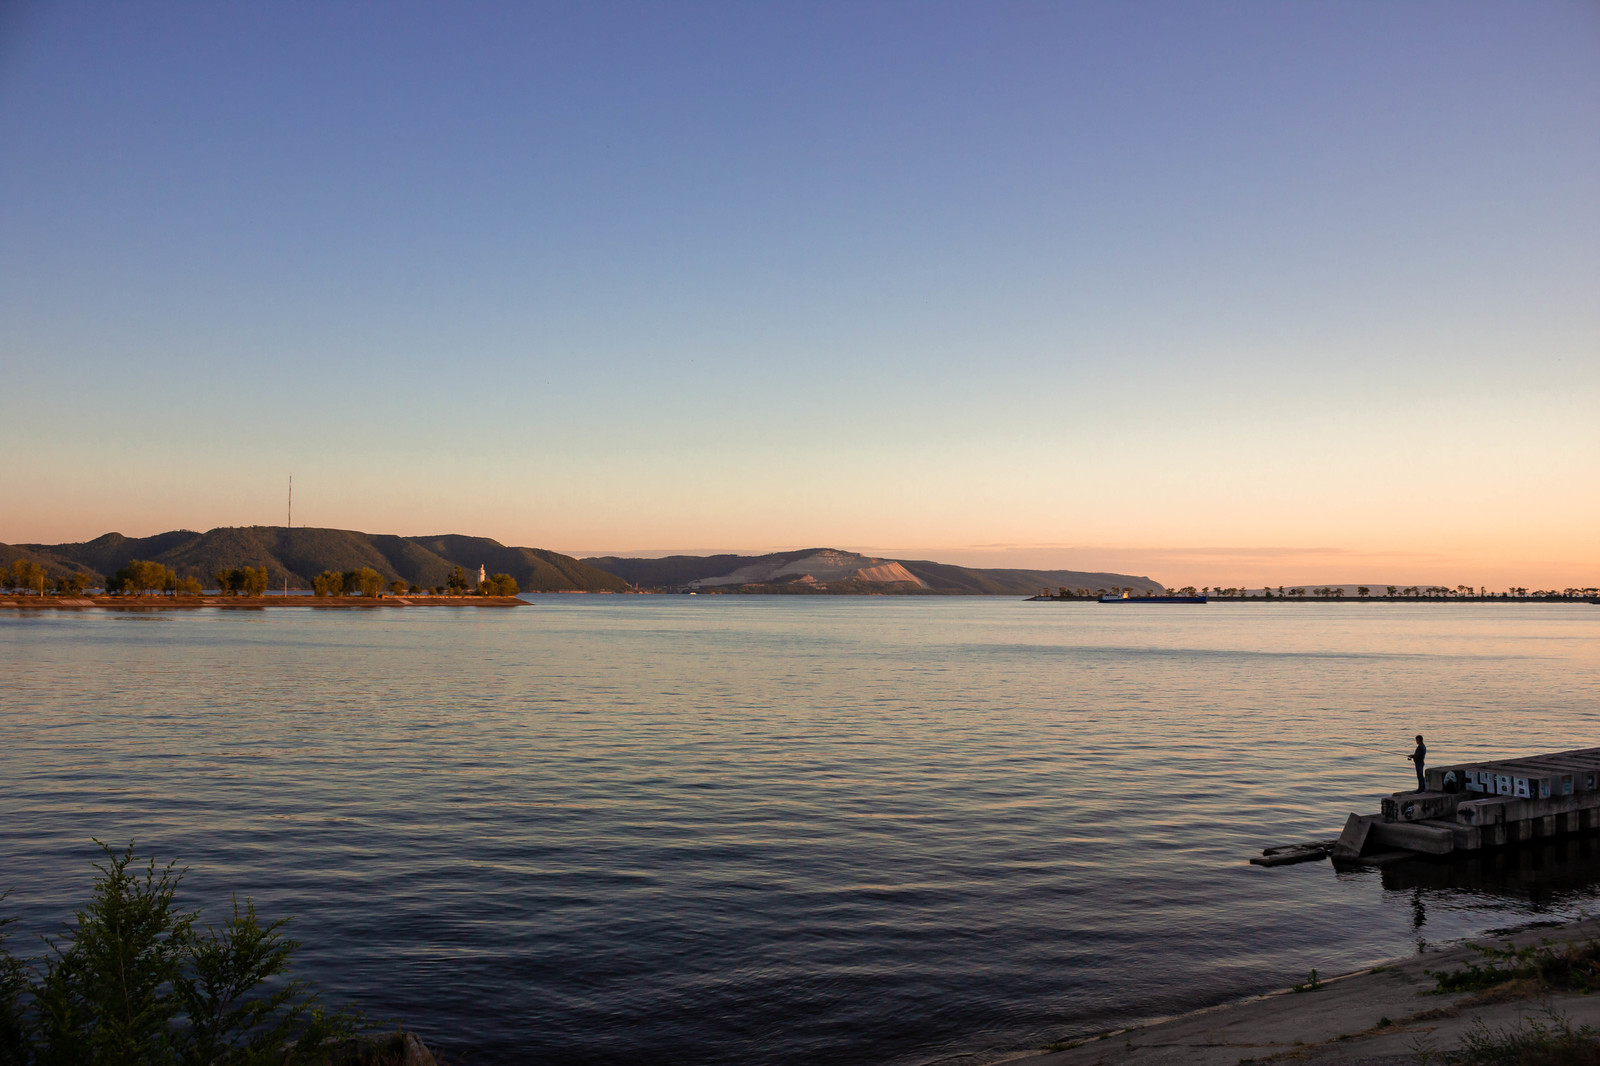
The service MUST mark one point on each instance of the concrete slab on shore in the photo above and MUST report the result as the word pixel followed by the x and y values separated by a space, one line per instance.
pixel 1375 1017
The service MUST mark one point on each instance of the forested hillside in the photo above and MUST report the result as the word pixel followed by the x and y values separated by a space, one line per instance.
pixel 297 554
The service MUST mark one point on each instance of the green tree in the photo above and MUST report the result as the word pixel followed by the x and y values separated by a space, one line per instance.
pixel 457 582
pixel 498 585
pixel 140 577
pixel 253 580
pixel 189 586
pixel 74 584
pixel 398 588
pixel 13 991
pixel 107 997
pixel 328 583
pixel 138 982
pixel 368 582
pixel 27 574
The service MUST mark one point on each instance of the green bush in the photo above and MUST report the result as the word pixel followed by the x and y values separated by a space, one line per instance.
pixel 498 585
pixel 136 980
pixel 1574 967
pixel 1535 1043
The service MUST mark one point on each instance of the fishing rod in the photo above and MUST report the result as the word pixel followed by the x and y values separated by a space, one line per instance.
pixel 1381 751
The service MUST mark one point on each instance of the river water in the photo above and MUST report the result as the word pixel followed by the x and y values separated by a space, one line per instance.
pixel 725 829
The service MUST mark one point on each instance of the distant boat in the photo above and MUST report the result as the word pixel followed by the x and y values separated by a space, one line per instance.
pixel 1125 598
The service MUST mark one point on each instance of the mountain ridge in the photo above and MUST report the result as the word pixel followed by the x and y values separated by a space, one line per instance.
pixel 787 572
pixel 294 555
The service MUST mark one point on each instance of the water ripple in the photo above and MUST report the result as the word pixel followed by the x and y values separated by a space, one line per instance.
pixel 732 829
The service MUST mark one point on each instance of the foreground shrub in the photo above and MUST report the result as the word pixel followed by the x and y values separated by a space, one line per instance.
pixel 137 981
pixel 1571 967
pixel 1552 1042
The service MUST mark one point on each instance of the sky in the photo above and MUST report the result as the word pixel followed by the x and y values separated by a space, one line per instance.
pixel 1224 293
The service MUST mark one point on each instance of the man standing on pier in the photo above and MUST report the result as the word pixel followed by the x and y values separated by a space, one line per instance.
pixel 1419 757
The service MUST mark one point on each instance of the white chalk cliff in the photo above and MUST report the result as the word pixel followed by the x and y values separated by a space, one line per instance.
pixel 820 568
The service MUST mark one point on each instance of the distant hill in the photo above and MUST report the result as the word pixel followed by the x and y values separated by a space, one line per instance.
pixel 678 571
pixel 830 570
pixel 299 553
pixel 947 578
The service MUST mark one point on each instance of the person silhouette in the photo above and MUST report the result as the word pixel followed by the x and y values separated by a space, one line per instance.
pixel 1419 757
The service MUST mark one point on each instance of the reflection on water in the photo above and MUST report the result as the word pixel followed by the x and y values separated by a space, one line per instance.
pixel 765 829
pixel 1528 882
pixel 1541 873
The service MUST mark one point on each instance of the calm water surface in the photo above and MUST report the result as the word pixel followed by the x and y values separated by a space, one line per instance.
pixel 753 829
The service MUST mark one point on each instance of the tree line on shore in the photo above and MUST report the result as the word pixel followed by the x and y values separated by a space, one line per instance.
pixel 1337 592
pixel 143 578
pixel 368 582
pixel 25 575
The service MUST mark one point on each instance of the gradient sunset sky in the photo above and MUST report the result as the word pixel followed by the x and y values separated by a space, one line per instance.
pixel 1215 292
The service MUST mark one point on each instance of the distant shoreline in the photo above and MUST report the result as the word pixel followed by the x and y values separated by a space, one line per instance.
pixel 1345 599
pixel 77 603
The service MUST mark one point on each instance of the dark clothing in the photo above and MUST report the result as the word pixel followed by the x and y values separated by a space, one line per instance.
pixel 1419 757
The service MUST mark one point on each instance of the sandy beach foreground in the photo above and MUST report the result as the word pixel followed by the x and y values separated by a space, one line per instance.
pixel 1383 1016
pixel 125 603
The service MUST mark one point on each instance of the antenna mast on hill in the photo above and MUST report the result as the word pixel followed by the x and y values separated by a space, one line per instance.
pixel 290 520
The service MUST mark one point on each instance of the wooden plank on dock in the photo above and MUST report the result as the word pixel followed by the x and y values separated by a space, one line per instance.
pixel 1290 854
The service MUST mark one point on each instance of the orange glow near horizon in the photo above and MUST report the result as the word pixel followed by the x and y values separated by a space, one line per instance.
pixel 1548 562
pixel 1236 297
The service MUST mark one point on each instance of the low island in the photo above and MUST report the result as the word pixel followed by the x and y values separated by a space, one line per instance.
pixel 175 602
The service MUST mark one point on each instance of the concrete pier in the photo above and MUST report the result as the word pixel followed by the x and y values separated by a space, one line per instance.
pixel 1470 806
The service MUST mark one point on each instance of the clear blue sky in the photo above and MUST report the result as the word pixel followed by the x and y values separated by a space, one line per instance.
pixel 1208 291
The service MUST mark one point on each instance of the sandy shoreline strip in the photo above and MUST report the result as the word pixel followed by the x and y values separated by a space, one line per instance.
pixel 170 603
pixel 1381 1016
